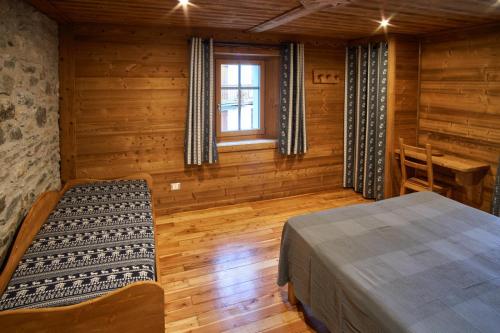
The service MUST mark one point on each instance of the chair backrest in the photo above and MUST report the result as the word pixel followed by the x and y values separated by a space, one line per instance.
pixel 423 153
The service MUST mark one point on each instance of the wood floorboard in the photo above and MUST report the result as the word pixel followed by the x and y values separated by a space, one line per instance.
pixel 219 266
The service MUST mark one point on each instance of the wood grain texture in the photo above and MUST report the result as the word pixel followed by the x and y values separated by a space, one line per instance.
pixel 133 308
pixel 459 98
pixel 354 20
pixel 67 103
pixel 361 18
pixel 458 164
pixel 406 81
pixel 219 266
pixel 390 116
pixel 402 110
pixel 307 8
pixel 130 108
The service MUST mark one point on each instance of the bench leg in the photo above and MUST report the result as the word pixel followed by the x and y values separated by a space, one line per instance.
pixel 292 299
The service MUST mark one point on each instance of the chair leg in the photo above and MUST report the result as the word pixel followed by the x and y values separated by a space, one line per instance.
pixel 448 193
pixel 402 191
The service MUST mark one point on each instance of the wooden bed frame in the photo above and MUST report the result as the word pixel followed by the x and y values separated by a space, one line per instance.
pixel 133 308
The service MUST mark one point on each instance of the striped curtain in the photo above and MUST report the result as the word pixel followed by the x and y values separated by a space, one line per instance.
pixel 495 202
pixel 293 138
pixel 365 119
pixel 199 146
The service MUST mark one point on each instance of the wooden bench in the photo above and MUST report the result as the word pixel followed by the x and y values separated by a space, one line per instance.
pixel 136 307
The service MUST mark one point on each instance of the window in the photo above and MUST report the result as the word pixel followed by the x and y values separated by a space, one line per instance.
pixel 240 98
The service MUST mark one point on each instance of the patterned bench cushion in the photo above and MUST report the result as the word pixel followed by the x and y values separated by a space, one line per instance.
pixel 98 238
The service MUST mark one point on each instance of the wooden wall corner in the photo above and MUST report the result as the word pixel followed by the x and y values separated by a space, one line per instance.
pixel 391 109
pixel 402 102
pixel 67 138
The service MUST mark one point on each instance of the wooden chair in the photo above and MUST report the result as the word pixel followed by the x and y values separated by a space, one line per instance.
pixel 415 183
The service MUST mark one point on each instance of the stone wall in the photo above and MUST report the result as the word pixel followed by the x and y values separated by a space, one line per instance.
pixel 29 132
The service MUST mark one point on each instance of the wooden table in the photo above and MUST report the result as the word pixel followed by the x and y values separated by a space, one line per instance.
pixel 468 173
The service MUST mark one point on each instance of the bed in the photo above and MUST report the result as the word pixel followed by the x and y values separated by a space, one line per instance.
pixel 85 260
pixel 415 263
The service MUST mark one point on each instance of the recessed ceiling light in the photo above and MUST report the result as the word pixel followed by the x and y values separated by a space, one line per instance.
pixel 184 2
pixel 384 23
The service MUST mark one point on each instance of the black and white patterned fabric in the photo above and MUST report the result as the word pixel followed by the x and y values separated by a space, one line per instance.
pixel 199 146
pixel 495 200
pixel 365 119
pixel 98 238
pixel 293 135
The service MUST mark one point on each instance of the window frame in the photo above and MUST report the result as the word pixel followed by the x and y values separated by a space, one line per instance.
pixel 243 134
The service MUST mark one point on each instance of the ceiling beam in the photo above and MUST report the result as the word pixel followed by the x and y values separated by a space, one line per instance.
pixel 307 7
pixel 46 7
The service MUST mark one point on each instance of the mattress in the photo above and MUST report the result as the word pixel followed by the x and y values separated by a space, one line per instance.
pixel 100 237
pixel 415 263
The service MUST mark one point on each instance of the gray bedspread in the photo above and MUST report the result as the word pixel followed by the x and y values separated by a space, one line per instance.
pixel 416 263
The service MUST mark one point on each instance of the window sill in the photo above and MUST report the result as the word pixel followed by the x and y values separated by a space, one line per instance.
pixel 246 145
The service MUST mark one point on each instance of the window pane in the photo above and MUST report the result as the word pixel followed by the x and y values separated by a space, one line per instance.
pixel 250 109
pixel 229 110
pixel 229 75
pixel 250 75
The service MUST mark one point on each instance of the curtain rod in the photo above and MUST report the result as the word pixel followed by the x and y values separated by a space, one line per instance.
pixel 246 44
pixel 216 43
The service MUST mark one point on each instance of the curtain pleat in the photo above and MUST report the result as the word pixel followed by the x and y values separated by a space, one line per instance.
pixel 361 110
pixel 293 136
pixel 495 202
pixel 349 116
pixel 200 144
pixel 365 119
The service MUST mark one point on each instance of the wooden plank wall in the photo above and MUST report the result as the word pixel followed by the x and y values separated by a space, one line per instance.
pixel 460 97
pixel 129 92
pixel 402 107
pixel 406 75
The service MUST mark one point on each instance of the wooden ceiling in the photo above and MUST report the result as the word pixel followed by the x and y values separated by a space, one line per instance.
pixel 352 20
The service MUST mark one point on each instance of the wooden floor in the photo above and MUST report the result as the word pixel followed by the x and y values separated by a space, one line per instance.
pixel 219 266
